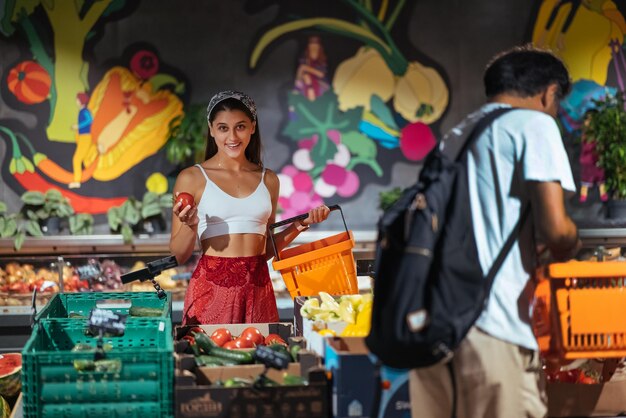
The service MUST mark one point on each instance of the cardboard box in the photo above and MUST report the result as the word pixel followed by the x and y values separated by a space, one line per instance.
pixel 355 387
pixel 284 329
pixel 315 341
pixel 578 400
pixel 195 398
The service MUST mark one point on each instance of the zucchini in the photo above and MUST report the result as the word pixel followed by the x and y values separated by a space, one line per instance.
pixel 144 311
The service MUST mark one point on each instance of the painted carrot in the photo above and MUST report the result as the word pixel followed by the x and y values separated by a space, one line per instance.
pixel 24 172
pixel 81 204
pixel 58 173
pixel 52 169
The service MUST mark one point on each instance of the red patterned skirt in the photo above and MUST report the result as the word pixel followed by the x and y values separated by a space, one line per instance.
pixel 230 290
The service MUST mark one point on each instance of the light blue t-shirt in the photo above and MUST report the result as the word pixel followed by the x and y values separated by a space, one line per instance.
pixel 521 145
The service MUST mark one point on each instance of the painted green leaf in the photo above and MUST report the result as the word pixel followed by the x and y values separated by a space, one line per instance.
pixel 318 116
pixel 324 150
pixel 360 145
pixel 328 24
pixel 382 112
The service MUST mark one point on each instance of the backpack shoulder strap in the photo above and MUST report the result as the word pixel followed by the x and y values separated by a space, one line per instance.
pixel 506 248
pixel 484 122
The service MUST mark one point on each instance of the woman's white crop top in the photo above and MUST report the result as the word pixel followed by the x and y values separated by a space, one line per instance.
pixel 223 214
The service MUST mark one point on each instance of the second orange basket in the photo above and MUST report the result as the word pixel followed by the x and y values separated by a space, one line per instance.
pixel 579 309
pixel 325 265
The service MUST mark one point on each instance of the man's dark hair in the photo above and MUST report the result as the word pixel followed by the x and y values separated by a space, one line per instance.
pixel 525 71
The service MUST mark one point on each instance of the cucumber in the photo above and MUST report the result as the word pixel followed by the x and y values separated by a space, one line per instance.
pixel 237 356
pixel 205 360
pixel 209 347
pixel 144 311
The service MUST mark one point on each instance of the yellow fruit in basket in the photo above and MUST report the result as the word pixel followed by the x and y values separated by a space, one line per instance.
pixel 326 332
pixel 346 311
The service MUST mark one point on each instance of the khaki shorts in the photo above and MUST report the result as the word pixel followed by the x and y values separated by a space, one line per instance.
pixel 494 379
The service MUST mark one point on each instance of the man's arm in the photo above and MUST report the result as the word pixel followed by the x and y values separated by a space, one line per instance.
pixel 556 228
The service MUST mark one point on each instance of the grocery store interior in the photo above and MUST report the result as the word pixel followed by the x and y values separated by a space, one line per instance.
pixel 351 96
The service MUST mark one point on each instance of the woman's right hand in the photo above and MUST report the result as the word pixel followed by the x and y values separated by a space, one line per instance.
pixel 187 215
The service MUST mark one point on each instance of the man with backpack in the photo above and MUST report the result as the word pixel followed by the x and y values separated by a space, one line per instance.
pixel 518 160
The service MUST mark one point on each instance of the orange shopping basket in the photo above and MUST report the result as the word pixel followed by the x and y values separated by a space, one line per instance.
pixel 326 265
pixel 579 309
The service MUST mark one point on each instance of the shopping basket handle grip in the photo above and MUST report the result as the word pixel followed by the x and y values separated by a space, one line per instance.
pixel 298 218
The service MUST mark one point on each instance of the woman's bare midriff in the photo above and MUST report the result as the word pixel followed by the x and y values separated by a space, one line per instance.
pixel 234 245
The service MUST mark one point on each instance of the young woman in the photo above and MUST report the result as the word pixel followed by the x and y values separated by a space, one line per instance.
pixel 235 201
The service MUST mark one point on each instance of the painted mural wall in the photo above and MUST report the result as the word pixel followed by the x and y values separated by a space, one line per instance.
pixel 103 101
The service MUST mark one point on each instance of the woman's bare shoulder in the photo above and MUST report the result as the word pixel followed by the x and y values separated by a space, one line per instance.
pixel 189 177
pixel 271 179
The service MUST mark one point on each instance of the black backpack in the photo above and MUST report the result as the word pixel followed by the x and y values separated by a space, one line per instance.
pixel 429 288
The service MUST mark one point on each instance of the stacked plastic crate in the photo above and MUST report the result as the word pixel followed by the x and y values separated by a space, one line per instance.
pixel 56 382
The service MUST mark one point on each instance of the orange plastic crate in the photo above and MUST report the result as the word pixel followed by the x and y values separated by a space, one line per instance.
pixel 580 309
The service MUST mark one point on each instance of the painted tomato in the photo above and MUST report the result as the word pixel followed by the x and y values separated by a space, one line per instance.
pixel 29 82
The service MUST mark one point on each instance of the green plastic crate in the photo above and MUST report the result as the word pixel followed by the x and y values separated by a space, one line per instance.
pixel 143 387
pixel 65 305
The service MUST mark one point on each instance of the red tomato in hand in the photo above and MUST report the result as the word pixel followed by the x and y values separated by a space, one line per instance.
pixel 221 336
pixel 185 199
pixel 274 339
pixel 252 334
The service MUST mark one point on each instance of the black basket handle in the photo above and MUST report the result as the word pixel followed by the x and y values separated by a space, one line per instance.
pixel 299 218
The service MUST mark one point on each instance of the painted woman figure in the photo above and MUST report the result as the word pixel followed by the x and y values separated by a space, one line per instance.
pixel 311 79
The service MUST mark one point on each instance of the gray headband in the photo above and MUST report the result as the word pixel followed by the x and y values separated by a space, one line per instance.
pixel 230 94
